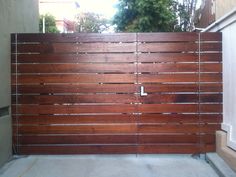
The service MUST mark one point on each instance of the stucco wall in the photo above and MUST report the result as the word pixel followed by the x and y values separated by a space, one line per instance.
pixel 227 25
pixel 223 7
pixel 15 16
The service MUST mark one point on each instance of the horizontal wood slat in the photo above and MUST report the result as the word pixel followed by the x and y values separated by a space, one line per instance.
pixel 115 139
pixel 78 129
pixel 178 47
pixel 75 58
pixel 80 93
pixel 113 119
pixel 115 88
pixel 179 57
pixel 73 109
pixel 76 88
pixel 164 37
pixel 76 78
pixel 116 98
pixel 74 68
pixel 74 48
pixel 178 128
pixel 117 149
pixel 206 77
pixel 73 119
pixel 77 37
pixel 86 149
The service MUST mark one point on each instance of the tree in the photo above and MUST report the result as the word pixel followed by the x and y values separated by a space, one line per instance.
pixel 146 16
pixel 186 13
pixel 89 22
pixel 50 24
pixel 155 15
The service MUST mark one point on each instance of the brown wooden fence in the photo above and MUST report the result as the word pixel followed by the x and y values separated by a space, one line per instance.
pixel 80 93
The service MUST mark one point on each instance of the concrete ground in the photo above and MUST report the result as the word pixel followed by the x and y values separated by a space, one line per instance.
pixel 108 166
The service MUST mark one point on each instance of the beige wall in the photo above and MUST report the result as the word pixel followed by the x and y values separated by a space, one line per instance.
pixel 15 16
pixel 226 141
pixel 223 7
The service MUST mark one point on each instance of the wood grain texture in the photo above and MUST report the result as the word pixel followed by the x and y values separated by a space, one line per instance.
pixel 76 78
pixel 75 58
pixel 80 93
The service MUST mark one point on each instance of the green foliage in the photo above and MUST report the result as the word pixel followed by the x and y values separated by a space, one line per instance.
pixel 91 23
pixel 50 24
pixel 146 16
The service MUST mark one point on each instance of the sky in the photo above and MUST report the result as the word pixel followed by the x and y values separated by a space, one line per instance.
pixel 105 7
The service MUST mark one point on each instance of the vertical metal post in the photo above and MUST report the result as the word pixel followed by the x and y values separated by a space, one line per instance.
pixel 16 113
pixel 199 90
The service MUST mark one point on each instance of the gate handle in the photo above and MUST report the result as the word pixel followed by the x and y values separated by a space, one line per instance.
pixel 142 92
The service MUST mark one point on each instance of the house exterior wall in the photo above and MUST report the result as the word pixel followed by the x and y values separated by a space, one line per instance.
pixel 212 10
pixel 223 7
pixel 15 16
pixel 227 25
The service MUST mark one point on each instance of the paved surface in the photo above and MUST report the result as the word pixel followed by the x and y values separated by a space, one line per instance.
pixel 220 165
pixel 108 166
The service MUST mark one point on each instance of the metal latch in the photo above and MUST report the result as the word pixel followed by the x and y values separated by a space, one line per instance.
pixel 142 92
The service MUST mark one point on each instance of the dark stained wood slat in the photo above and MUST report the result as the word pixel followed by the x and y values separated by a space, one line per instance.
pixel 114 88
pixel 210 98
pixel 116 149
pixel 102 119
pixel 205 77
pixel 216 47
pixel 76 88
pixel 62 99
pixel 168 67
pixel 211 87
pixel 179 57
pixel 184 128
pixel 114 139
pixel 74 109
pixel 78 129
pixel 175 149
pixel 76 78
pixel 74 47
pixel 145 108
pixel 163 37
pixel 177 138
pixel 73 119
pixel 168 108
pixel 77 37
pixel 211 57
pixel 89 149
pixel 75 58
pixel 160 87
pixel 209 36
pixel 179 118
pixel 159 78
pixel 167 57
pixel 211 67
pixel 169 98
pixel 77 139
pixel 178 47
pixel 167 47
pixel 211 108
pixel 86 68
pixel 180 98
pixel 74 68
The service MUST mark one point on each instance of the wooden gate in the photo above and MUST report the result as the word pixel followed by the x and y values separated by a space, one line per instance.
pixel 116 93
